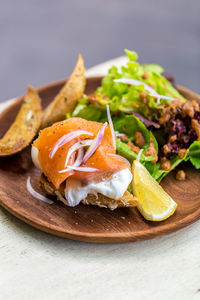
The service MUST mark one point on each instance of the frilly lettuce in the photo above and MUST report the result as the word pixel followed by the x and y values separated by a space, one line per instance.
pixel 126 98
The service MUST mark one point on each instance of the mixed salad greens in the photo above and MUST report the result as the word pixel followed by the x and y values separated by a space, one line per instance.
pixel 140 98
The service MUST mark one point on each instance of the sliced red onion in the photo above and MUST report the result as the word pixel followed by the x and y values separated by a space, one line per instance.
pixel 36 194
pixel 146 86
pixel 81 169
pixel 145 121
pixel 162 97
pixel 120 157
pixel 67 138
pixel 118 134
pixel 139 154
pixel 111 126
pixel 79 158
pixel 77 146
pixel 96 142
pixel 136 83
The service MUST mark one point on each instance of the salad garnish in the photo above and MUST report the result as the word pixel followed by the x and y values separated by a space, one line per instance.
pixel 148 113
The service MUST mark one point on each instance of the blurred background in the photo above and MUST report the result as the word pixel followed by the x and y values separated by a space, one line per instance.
pixel 40 39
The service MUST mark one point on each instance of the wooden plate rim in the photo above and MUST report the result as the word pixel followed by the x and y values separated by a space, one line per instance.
pixel 101 237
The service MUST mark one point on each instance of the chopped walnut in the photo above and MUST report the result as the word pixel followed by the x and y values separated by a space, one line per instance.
pixel 196 105
pixel 133 147
pixel 168 111
pixel 143 96
pixel 166 149
pixel 123 138
pixel 172 138
pixel 182 152
pixel 94 99
pixel 152 151
pixel 145 75
pixel 188 109
pixel 175 104
pixel 196 127
pixel 180 175
pixel 139 139
pixel 165 116
pixel 165 164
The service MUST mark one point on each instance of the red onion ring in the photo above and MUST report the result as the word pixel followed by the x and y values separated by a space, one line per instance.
pixel 146 86
pixel 139 154
pixel 81 169
pixel 79 158
pixel 36 194
pixel 111 126
pixel 66 138
pixel 96 142
pixel 75 147
pixel 120 157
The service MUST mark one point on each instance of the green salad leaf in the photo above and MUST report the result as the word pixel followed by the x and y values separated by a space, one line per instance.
pixel 89 112
pixel 124 99
pixel 124 150
pixel 157 173
pixel 127 98
pixel 194 154
pixel 129 124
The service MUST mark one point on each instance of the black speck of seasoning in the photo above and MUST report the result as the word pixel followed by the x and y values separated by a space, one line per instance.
pixel 54 132
pixel 59 155
pixel 198 290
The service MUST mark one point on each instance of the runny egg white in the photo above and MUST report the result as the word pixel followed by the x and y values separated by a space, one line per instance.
pixel 114 187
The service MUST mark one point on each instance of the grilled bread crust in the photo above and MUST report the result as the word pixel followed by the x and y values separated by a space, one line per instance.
pixel 127 200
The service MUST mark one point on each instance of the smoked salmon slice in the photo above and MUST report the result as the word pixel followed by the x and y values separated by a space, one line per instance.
pixel 101 159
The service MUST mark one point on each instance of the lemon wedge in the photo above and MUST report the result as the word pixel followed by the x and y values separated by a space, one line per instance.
pixel 154 203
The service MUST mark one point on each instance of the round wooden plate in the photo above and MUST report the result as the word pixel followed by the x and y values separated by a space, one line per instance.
pixel 89 223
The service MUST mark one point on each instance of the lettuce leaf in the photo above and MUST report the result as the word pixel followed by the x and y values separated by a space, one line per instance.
pixel 194 154
pixel 127 98
pixel 90 112
pixel 125 151
pixel 159 174
pixel 130 124
pixel 127 124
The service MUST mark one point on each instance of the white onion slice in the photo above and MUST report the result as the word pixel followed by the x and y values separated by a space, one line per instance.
pixel 111 126
pixel 36 194
pixel 81 169
pixel 77 146
pixel 120 157
pixel 96 142
pixel 146 86
pixel 67 138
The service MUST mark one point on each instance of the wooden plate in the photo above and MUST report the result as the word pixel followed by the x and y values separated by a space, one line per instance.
pixel 88 223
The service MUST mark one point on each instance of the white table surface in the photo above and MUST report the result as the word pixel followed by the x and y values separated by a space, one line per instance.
pixel 36 265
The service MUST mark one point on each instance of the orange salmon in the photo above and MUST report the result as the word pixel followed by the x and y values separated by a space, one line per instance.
pixel 100 159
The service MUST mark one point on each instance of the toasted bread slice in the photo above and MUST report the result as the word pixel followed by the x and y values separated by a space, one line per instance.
pixel 127 200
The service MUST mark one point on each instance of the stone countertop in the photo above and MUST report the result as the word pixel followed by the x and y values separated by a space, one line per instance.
pixel 35 265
